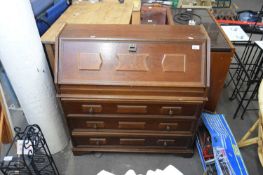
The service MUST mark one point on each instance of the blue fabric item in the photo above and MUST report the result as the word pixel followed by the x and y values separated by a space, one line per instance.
pixel 54 12
pixel 39 6
pixel 51 15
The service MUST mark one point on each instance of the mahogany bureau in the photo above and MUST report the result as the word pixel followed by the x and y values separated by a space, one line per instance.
pixel 132 88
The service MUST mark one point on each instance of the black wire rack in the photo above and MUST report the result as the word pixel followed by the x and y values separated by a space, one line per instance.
pixel 246 73
pixel 35 157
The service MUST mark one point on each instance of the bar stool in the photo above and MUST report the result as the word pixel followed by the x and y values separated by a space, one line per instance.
pixel 246 141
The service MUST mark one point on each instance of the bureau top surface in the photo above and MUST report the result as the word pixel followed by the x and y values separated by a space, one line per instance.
pixel 133 32
pixel 142 55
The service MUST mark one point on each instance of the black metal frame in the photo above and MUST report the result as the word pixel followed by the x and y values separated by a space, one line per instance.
pixel 246 74
pixel 246 78
pixel 38 160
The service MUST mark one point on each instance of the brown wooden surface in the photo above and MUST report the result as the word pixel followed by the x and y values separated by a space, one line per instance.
pixel 136 17
pixel 128 121
pixel 6 135
pixel 171 94
pixel 89 13
pixel 220 62
pixel 171 62
pixel 120 92
pixel 187 153
pixel 157 33
pixel 74 106
pixel 50 51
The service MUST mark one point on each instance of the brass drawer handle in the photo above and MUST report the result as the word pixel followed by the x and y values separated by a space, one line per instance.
pixel 95 124
pixel 171 112
pixel 168 128
pixel 166 142
pixel 90 110
pixel 97 141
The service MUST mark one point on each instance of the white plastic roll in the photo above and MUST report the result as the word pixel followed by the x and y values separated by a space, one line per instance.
pixel 23 58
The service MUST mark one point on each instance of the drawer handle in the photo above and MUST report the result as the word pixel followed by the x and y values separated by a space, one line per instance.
pixel 171 112
pixel 95 124
pixel 168 128
pixel 90 110
pixel 165 142
pixel 97 141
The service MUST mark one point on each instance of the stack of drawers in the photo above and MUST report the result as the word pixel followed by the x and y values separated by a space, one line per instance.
pixel 132 88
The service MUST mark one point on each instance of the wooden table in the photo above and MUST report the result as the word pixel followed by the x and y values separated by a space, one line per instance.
pixel 86 13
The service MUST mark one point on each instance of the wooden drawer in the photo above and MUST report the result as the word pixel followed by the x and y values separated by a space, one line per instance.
pixel 114 137
pixel 123 107
pixel 132 122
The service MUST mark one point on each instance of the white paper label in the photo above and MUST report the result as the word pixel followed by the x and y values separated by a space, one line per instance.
pixel 195 47
pixel 8 158
pixel 28 149
pixel 149 20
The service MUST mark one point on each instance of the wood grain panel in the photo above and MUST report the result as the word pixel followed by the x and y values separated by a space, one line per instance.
pixel 105 106
pixel 113 137
pixel 131 125
pixel 132 141
pixel 174 63
pixel 132 62
pixel 220 63
pixel 130 122
pixel 89 61
pixel 131 109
